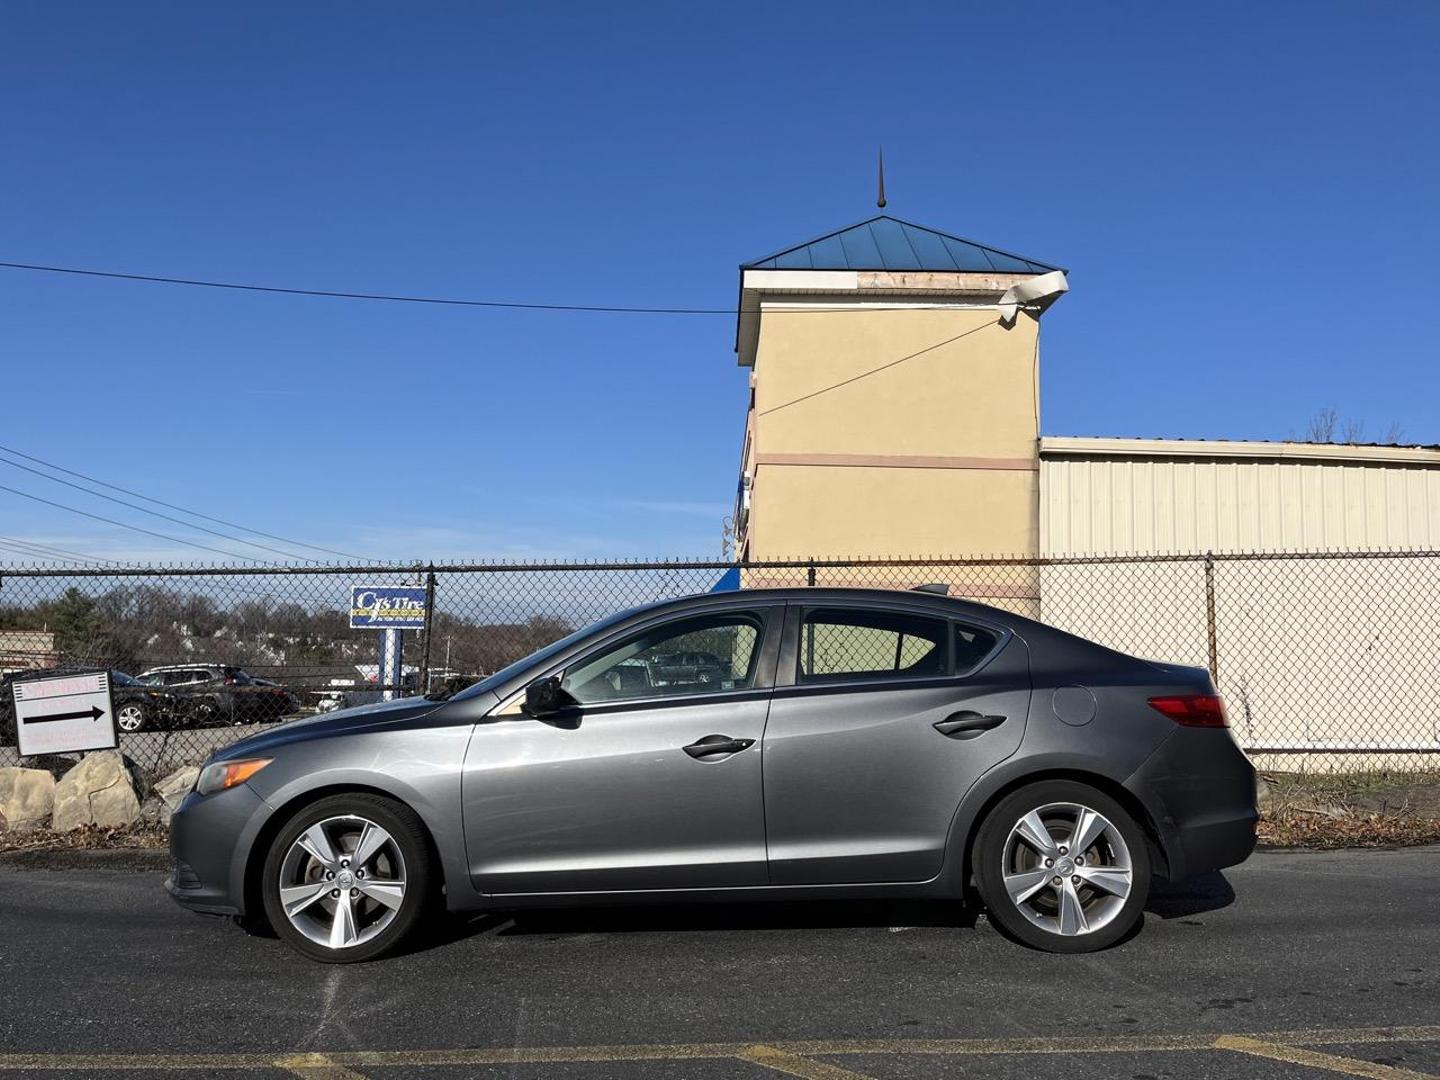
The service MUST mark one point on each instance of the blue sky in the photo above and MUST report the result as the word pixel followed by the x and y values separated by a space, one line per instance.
pixel 1244 194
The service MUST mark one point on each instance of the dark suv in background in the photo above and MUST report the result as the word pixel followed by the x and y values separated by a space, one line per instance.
pixel 218 694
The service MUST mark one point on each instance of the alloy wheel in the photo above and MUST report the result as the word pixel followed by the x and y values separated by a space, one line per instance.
pixel 1067 869
pixel 342 881
pixel 130 718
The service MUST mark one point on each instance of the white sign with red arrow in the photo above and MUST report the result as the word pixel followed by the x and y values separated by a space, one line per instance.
pixel 64 714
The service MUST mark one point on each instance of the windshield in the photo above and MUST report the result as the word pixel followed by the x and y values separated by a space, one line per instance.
pixel 535 659
pixel 119 678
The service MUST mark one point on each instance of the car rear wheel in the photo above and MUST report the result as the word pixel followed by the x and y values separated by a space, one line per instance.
pixel 1062 867
pixel 131 718
pixel 348 878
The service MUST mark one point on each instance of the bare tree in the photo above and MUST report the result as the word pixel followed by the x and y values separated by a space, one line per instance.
pixel 1322 426
pixel 1327 426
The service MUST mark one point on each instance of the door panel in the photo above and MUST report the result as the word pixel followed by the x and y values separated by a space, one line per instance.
pixel 859 784
pixel 615 794
pixel 611 800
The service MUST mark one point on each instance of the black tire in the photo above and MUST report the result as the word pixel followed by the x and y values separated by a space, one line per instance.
pixel 134 714
pixel 408 833
pixel 993 854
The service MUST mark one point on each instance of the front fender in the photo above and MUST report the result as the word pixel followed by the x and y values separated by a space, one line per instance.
pixel 420 767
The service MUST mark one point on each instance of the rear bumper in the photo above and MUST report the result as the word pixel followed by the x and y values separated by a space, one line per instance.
pixel 1200 790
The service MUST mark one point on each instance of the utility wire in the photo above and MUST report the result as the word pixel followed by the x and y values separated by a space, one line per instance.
pixel 36 553
pixel 51 551
pixel 154 513
pixel 181 509
pixel 874 370
pixel 613 309
pixel 124 525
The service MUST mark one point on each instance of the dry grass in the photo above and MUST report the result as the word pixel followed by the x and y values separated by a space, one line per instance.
pixel 1340 810
pixel 142 836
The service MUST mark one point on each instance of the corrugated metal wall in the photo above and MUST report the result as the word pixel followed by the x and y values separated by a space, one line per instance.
pixel 1328 654
pixel 1131 506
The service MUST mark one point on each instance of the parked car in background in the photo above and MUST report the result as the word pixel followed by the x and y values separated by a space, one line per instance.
pixel 138 707
pixel 218 694
pixel 913 745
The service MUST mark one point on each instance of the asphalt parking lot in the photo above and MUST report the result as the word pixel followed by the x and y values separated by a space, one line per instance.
pixel 1293 965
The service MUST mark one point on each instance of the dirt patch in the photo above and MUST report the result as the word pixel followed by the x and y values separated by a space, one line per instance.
pixel 1376 809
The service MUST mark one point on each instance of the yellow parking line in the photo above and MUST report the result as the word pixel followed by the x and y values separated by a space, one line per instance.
pixel 1298 1055
pixel 791 1054
pixel 316 1067
pixel 772 1057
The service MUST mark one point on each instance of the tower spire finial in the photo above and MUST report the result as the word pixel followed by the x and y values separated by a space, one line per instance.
pixel 880 198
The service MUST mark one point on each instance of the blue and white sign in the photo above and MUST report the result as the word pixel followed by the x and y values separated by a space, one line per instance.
pixel 387 607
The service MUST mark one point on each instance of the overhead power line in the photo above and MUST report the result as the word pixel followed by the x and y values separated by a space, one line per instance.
pixel 126 525
pixel 391 298
pixel 443 301
pixel 45 551
pixel 173 506
pixel 154 513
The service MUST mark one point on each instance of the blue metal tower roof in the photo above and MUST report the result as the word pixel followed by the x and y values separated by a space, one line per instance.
pixel 887 243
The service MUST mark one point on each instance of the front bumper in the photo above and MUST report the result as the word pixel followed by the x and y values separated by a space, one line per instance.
pixel 210 841
pixel 1200 790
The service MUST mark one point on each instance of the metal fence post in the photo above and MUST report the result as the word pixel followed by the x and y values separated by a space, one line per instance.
pixel 429 621
pixel 1214 663
pixel 810 573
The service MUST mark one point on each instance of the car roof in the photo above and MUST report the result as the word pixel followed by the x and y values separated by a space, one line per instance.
pixel 812 595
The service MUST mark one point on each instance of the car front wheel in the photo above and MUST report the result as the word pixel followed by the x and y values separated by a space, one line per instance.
pixel 348 878
pixel 1062 867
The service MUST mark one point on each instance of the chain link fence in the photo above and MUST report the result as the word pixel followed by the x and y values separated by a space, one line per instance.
pixel 1327 661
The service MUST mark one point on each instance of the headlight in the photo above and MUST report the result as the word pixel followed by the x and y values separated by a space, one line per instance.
pixel 226 774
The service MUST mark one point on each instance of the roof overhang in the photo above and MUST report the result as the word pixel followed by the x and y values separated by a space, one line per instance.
pixel 1053 447
pixel 851 287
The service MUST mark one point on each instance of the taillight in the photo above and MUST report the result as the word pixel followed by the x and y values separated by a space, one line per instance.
pixel 1192 710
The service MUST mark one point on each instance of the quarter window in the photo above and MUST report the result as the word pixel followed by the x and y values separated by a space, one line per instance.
pixel 844 643
pixel 972 644
pixel 700 655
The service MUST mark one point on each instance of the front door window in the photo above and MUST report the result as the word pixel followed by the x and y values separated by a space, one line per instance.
pixel 704 654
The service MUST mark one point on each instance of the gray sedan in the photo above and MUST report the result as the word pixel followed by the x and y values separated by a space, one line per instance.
pixel 762 744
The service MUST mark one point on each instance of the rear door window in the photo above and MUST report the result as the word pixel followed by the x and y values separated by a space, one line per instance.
pixel 865 643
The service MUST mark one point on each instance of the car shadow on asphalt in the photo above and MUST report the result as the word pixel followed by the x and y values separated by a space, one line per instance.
pixel 702 917
pixel 1195 896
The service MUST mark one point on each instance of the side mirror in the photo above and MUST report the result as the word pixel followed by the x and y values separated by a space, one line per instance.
pixel 544 697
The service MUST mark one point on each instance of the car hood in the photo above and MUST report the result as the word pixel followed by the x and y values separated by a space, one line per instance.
pixel 325 725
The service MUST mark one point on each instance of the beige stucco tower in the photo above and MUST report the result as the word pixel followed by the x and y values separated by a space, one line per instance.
pixel 894 404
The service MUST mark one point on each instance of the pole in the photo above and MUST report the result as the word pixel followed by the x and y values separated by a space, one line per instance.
pixel 392 647
pixel 425 654
pixel 1211 650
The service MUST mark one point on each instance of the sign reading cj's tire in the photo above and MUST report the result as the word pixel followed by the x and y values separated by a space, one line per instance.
pixel 65 714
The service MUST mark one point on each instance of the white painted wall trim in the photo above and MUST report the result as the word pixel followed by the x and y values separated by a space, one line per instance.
pixel 1066 446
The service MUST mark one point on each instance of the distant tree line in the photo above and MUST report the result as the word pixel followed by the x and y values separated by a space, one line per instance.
pixel 134 627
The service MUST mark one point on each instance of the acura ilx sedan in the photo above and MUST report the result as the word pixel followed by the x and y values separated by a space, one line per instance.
pixel 762 744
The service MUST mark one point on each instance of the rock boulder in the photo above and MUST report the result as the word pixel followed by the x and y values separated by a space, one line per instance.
pixel 99 791
pixel 173 789
pixel 27 797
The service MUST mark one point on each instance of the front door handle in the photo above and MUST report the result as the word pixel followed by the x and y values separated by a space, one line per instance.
pixel 967 725
pixel 713 745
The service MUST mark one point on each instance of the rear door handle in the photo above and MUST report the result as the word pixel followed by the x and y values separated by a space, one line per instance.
pixel 967 725
pixel 712 745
